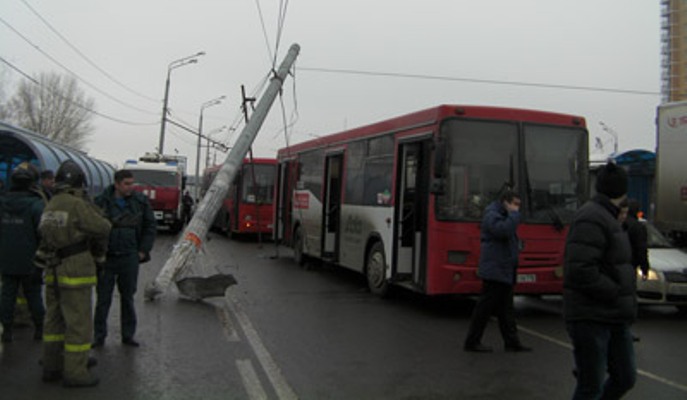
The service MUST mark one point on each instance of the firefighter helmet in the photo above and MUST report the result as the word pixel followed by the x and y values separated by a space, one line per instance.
pixel 70 174
pixel 24 175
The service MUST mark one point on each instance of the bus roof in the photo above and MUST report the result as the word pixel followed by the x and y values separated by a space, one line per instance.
pixel 431 116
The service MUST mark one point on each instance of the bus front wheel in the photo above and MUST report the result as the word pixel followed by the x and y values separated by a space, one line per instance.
pixel 375 270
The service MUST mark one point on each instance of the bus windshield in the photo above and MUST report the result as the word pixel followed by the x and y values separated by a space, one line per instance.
pixel 262 191
pixel 145 177
pixel 554 173
pixel 481 156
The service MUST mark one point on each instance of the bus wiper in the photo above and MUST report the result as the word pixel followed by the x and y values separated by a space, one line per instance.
pixel 557 221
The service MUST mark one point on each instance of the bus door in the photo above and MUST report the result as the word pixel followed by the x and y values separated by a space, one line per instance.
pixel 282 206
pixel 332 207
pixel 411 211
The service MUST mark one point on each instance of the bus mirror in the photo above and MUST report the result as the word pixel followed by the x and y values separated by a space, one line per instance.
pixel 439 159
pixel 183 183
pixel 438 186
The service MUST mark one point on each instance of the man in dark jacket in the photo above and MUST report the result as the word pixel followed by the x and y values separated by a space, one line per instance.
pixel 498 262
pixel 599 300
pixel 131 240
pixel 20 214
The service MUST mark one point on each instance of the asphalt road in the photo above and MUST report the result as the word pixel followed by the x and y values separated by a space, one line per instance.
pixel 283 332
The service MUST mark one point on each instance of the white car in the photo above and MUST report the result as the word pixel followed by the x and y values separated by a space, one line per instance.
pixel 666 281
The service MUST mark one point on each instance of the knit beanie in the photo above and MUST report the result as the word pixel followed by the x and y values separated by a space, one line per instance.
pixel 611 180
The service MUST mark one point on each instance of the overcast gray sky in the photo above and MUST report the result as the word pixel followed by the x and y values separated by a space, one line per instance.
pixel 605 44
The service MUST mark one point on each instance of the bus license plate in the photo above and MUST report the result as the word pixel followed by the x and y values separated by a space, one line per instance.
pixel 527 278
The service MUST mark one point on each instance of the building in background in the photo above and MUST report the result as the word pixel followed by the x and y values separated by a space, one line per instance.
pixel 673 50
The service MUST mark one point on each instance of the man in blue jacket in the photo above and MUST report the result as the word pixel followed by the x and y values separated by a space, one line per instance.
pixel 20 214
pixel 131 240
pixel 498 262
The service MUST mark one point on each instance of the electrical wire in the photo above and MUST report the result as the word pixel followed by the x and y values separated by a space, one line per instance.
pixel 485 81
pixel 32 80
pixel 280 28
pixel 87 59
pixel 264 30
pixel 72 73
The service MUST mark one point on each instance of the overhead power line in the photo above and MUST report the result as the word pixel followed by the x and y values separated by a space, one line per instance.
pixel 32 80
pixel 85 82
pixel 88 60
pixel 473 80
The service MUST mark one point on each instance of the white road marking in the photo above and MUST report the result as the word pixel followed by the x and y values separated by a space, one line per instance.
pixel 250 380
pixel 229 331
pixel 641 372
pixel 272 370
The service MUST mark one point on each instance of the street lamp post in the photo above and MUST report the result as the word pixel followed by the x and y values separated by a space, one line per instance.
pixel 174 64
pixel 205 105
pixel 613 133
pixel 207 147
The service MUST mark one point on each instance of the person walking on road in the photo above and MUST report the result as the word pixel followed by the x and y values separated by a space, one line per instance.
pixel 131 240
pixel 498 262
pixel 20 213
pixel 638 235
pixel 187 207
pixel 73 239
pixel 599 292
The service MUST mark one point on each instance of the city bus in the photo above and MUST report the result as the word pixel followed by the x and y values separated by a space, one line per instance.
pixel 247 208
pixel 401 200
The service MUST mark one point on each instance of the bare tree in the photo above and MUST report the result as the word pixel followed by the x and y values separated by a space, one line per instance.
pixel 4 112
pixel 53 105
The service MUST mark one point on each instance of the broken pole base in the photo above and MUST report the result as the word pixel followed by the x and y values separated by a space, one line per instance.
pixel 198 288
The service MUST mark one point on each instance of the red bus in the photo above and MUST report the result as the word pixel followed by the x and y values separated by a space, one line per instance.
pixel 247 207
pixel 401 200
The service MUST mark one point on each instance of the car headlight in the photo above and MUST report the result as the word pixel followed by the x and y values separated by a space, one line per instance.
pixel 652 275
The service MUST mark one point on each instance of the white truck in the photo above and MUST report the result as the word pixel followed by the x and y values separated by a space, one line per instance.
pixel 671 170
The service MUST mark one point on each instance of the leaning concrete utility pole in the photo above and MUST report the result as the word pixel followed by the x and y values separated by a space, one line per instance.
pixel 191 241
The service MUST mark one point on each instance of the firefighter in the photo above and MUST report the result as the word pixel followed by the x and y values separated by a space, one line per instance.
pixel 132 238
pixel 20 213
pixel 73 238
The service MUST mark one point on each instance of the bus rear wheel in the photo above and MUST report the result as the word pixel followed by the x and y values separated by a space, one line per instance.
pixel 375 270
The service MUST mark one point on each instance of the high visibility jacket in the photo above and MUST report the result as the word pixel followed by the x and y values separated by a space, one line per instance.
pixel 70 226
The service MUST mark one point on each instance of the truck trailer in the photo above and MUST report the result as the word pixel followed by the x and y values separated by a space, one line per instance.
pixel 671 171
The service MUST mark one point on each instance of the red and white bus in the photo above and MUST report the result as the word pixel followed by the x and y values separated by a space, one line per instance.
pixel 247 208
pixel 401 200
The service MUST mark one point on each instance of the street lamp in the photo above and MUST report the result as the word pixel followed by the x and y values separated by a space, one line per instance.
pixel 205 105
pixel 207 147
pixel 174 64
pixel 613 133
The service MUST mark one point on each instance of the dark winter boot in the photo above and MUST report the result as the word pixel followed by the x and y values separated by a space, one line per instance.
pixel 7 333
pixel 87 382
pixel 38 332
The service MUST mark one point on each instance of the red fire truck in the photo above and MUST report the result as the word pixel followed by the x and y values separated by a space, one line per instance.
pixel 162 179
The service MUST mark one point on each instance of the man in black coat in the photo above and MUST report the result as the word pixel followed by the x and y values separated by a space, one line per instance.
pixel 599 299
